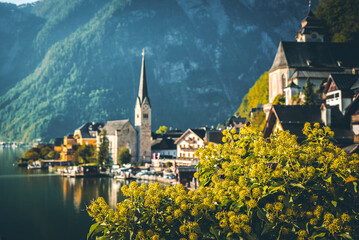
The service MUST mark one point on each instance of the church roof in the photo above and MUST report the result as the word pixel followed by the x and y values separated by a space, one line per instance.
pixel 142 90
pixel 112 126
pixel 317 55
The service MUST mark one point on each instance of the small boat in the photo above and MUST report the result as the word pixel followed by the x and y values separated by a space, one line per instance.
pixel 34 165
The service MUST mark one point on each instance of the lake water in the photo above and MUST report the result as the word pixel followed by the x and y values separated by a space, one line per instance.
pixel 41 206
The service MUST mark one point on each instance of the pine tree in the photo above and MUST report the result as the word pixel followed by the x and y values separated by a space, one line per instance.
pixel 124 156
pixel 308 93
pixel 103 154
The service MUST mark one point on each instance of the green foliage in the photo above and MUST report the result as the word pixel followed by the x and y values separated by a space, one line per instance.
pixel 124 156
pixel 279 100
pixel 103 155
pixel 169 164
pixel 42 151
pixel 85 154
pixel 296 99
pixel 162 129
pixel 258 120
pixel 256 188
pixel 258 94
pixel 308 93
pixel 342 19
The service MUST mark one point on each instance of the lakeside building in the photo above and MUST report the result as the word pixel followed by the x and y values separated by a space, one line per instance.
pixel 193 139
pixel 84 135
pixel 121 133
pixel 163 144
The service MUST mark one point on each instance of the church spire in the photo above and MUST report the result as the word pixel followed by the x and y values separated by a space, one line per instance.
pixel 142 91
pixel 312 29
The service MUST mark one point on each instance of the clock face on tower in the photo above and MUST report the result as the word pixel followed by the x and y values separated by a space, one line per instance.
pixel 145 106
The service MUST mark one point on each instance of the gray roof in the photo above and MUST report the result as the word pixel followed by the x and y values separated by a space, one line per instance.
pixel 355 85
pixel 311 74
pixel 293 118
pixel 90 126
pixel 319 55
pixel 112 126
pixel 344 81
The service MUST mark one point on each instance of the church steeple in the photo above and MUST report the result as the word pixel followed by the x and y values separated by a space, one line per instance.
pixel 312 30
pixel 142 90
pixel 143 117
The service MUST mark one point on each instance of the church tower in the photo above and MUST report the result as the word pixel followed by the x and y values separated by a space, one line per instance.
pixel 312 30
pixel 143 117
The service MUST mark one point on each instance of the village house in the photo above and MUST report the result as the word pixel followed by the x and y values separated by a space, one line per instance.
pixel 293 117
pixel 193 139
pixel 84 135
pixel 163 144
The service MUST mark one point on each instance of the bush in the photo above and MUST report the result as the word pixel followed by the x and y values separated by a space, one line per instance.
pixel 251 188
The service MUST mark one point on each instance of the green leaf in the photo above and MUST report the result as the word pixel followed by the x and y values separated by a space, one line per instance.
pixel 214 231
pixel 297 185
pixel 345 235
pixel 320 235
pixel 334 203
pixel 355 187
pixel 94 229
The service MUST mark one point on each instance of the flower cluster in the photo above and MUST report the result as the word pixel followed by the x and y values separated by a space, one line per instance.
pixel 251 188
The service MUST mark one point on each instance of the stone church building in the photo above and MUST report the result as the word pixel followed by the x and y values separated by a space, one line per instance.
pixel 137 138
pixel 310 57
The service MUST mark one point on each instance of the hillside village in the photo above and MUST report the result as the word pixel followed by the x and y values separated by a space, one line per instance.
pixel 329 70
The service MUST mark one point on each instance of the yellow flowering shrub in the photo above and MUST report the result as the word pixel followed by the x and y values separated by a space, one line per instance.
pixel 251 188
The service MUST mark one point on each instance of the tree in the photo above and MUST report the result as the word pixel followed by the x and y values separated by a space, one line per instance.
pixel 258 94
pixel 162 130
pixel 308 93
pixel 103 155
pixel 85 154
pixel 341 18
pixel 31 155
pixel 251 188
pixel 279 100
pixel 258 120
pixel 124 156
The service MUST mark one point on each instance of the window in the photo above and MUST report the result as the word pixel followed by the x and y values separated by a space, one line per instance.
pixel 138 115
pixel 145 115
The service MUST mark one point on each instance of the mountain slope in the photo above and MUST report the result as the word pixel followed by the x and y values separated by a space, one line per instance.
pixel 201 58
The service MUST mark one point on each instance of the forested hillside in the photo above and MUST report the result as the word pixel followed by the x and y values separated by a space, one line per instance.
pixel 66 62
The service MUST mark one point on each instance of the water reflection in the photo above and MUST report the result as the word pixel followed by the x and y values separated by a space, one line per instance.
pixel 82 190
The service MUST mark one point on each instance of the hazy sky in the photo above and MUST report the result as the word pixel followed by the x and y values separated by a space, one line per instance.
pixel 18 1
